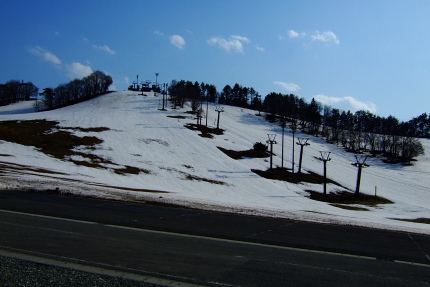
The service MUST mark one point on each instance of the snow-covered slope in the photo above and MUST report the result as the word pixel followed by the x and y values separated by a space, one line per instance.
pixel 194 172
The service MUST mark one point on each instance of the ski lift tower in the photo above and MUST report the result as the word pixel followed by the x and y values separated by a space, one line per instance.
pixel 360 162
pixel 271 141
pixel 302 142
pixel 218 110
pixel 293 127
pixel 136 84
pixel 325 157
pixel 156 83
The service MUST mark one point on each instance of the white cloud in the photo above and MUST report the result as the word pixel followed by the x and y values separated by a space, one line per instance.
pixel 294 34
pixel 45 55
pixel 158 33
pixel 73 71
pixel 317 36
pixel 177 41
pixel 326 37
pixel 259 48
pixel 291 87
pixel 105 48
pixel 77 70
pixel 346 103
pixel 240 38
pixel 233 43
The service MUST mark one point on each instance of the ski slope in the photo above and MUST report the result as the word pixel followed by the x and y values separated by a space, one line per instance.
pixel 192 171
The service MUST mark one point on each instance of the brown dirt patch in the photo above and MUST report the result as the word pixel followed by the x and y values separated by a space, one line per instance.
pixel 245 153
pixel 345 197
pixel 206 132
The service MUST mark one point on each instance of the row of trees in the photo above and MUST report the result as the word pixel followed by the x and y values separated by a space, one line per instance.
pixel 357 131
pixel 240 97
pixel 182 91
pixel 14 91
pixel 77 90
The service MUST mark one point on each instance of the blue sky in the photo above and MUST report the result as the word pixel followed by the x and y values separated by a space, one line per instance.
pixel 349 54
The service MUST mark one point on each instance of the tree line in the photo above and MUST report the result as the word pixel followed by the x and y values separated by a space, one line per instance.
pixel 360 131
pixel 240 96
pixel 64 94
pixel 77 90
pixel 14 91
pixel 196 93
pixel 183 91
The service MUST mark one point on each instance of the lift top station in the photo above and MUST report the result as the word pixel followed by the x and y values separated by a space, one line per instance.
pixel 143 86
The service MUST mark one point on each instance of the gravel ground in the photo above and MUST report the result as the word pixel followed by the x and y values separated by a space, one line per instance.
pixel 15 272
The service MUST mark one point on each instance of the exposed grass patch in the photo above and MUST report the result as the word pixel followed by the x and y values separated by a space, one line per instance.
pixel 130 170
pixel 87 130
pixel 46 136
pixel 338 199
pixel 205 131
pixel 284 174
pixel 209 136
pixel 6 166
pixel 129 188
pixel 51 139
pixel 416 220
pixel 193 177
pixel 349 207
pixel 245 153
pixel 345 197
pixel 178 117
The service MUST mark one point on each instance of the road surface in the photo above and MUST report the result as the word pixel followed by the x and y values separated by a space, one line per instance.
pixel 207 248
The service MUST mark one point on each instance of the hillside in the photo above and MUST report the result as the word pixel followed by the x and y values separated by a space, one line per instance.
pixel 138 152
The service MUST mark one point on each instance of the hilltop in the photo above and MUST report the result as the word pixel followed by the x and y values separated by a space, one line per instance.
pixel 122 146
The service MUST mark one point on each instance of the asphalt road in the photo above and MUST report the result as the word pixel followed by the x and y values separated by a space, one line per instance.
pixel 208 248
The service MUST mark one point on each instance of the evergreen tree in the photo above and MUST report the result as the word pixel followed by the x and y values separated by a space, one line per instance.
pixel 48 94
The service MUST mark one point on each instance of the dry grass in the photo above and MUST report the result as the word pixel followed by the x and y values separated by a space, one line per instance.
pixel 206 132
pixel 129 188
pixel 197 178
pixel 337 199
pixel 245 153
pixel 284 174
pixel 348 207
pixel 87 130
pixel 345 197
pixel 60 142
pixel 14 167
pixel 178 117
pixel 130 170
pixel 46 136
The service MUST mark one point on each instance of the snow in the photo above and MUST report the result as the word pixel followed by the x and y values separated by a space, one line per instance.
pixel 142 136
pixel 23 107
